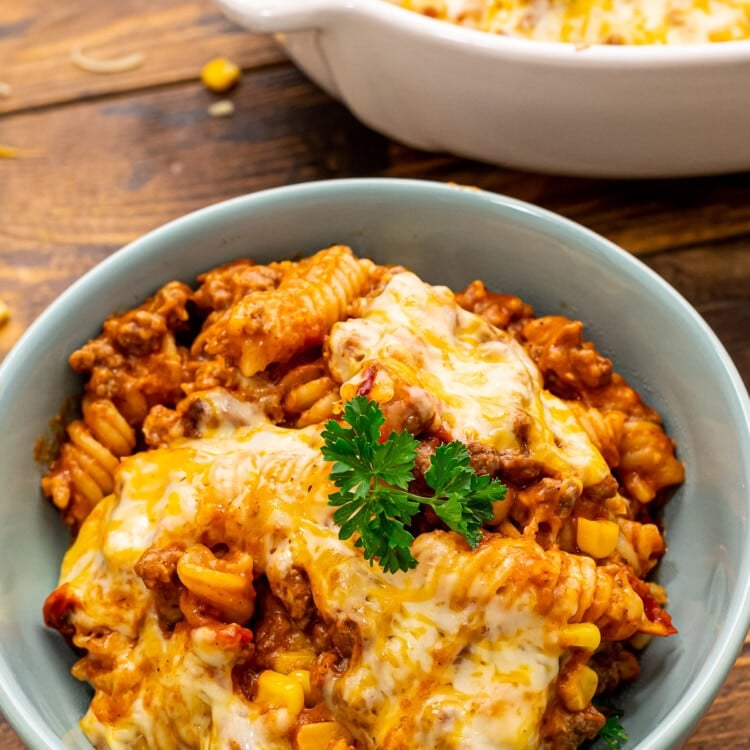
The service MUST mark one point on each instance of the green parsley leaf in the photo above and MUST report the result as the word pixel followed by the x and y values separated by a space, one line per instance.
pixel 373 477
pixel 463 499
pixel 613 733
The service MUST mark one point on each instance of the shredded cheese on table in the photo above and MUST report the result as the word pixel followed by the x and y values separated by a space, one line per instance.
pixel 115 65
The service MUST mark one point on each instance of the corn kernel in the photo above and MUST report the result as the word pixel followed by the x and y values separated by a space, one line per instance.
pixel 721 35
pixel 276 690
pixel 220 74
pixel 318 736
pixel 303 677
pixel 580 635
pixel 649 541
pixel 289 661
pixel 577 687
pixel 383 389
pixel 597 538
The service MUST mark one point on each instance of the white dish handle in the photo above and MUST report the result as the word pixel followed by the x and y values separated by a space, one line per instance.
pixel 273 16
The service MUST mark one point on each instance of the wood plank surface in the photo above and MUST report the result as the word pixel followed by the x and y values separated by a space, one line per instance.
pixel 176 38
pixel 103 159
pixel 727 725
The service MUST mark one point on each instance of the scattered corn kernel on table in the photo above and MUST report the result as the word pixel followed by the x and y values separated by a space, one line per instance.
pixel 90 161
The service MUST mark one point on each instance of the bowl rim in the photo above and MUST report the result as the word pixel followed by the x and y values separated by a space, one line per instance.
pixel 697 696
pixel 519 49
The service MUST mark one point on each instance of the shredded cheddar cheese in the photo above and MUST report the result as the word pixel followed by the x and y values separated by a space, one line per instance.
pixel 89 64
pixel 587 22
pixel 217 606
pixel 463 665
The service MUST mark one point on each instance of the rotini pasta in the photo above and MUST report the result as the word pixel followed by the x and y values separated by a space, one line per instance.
pixel 309 394
pixel 225 583
pixel 84 471
pixel 272 326
pixel 221 609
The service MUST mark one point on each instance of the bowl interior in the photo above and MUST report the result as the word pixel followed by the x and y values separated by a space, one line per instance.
pixel 448 235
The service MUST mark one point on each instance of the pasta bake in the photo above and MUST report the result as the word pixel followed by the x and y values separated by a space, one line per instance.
pixel 588 22
pixel 210 589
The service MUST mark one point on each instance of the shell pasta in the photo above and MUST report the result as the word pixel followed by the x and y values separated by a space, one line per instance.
pixel 214 602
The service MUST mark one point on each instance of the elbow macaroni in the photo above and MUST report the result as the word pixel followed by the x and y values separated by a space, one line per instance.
pixel 207 588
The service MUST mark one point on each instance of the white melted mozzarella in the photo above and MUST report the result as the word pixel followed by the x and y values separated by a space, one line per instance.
pixel 186 700
pixel 595 22
pixel 441 664
pixel 453 654
pixel 439 668
pixel 480 380
pixel 184 697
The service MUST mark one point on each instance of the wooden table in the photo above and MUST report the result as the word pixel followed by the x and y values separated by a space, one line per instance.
pixel 104 158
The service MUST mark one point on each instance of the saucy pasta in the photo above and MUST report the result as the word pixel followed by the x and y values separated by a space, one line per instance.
pixel 209 591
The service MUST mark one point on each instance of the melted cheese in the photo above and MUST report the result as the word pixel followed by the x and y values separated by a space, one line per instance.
pixel 442 664
pixel 589 22
pixel 438 668
pixel 480 381
pixel 458 653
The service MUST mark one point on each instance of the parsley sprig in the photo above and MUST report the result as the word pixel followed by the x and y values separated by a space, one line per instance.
pixel 373 476
pixel 613 733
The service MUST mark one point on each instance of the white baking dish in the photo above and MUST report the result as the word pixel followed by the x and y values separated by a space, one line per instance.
pixel 619 111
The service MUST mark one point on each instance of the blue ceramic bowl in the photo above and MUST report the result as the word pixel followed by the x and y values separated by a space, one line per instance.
pixel 448 235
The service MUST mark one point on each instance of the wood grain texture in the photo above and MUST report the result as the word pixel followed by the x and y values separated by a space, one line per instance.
pixel 176 37
pixel 99 174
pixel 95 175
pixel 8 738
pixel 106 158
pixel 727 725
pixel 643 216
